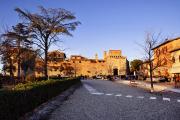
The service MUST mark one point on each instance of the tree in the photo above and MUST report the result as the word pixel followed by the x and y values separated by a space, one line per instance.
pixel 28 62
pixel 68 69
pixel 135 65
pixel 150 42
pixel 20 37
pixel 46 27
pixel 7 55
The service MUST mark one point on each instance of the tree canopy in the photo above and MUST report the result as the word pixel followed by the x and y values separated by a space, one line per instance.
pixel 47 26
pixel 135 64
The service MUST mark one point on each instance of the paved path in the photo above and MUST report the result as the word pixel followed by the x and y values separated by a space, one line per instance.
pixel 105 100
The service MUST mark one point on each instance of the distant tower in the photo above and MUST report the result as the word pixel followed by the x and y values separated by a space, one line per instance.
pixel 96 56
pixel 105 55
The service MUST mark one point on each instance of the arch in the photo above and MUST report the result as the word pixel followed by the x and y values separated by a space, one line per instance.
pixel 115 71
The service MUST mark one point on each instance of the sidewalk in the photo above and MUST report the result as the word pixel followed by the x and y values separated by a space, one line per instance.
pixel 157 86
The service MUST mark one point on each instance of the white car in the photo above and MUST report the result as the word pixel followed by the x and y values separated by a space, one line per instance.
pixel 154 79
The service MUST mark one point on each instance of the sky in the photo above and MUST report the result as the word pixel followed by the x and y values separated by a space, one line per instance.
pixel 106 24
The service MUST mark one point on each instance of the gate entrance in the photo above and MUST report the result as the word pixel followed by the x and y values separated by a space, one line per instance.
pixel 115 71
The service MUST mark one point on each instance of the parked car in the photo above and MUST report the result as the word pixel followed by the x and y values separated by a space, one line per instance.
pixel 163 79
pixel 158 79
pixel 130 77
pixel 110 77
pixel 98 77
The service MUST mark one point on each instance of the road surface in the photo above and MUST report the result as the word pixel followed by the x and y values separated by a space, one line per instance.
pixel 105 100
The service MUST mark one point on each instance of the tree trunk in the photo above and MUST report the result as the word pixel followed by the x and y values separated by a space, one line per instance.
pixel 19 61
pixel 46 61
pixel 11 72
pixel 151 77
pixel 19 69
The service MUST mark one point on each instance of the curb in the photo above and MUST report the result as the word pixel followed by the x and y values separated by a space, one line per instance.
pixel 157 88
pixel 43 111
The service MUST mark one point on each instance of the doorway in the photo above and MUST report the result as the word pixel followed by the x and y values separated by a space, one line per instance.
pixel 115 71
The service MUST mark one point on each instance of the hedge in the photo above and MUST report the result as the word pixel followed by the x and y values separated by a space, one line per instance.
pixel 25 97
pixel 0 84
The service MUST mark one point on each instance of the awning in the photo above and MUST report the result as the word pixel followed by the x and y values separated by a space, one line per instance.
pixel 174 69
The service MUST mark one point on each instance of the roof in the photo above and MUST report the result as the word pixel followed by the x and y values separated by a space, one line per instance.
pixel 114 50
pixel 55 51
pixel 175 50
pixel 77 56
pixel 167 41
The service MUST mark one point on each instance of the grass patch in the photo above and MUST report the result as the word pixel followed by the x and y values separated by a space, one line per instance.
pixel 25 97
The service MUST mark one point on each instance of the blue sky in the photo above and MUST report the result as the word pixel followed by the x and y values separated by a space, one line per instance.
pixel 106 24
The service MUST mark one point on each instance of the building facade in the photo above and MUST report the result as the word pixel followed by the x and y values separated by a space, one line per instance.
pixel 113 63
pixel 166 58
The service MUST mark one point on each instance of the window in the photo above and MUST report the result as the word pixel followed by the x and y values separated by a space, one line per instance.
pixel 165 62
pixel 179 58
pixel 79 61
pixel 173 59
pixel 166 48
pixel 157 52
pixel 162 50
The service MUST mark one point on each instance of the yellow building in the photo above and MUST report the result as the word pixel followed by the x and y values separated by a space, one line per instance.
pixel 164 54
pixel 113 63
pixel 167 55
pixel 175 69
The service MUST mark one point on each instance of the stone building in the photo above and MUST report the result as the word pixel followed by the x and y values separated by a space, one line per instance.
pixel 113 63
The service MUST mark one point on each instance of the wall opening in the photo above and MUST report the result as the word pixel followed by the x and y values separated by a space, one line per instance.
pixel 115 71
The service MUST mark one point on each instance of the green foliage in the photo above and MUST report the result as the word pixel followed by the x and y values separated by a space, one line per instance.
pixel 135 65
pixel 25 97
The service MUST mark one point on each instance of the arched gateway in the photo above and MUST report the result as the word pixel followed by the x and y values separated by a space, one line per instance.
pixel 115 71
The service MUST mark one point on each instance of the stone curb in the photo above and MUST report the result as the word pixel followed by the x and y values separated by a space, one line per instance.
pixel 157 88
pixel 43 111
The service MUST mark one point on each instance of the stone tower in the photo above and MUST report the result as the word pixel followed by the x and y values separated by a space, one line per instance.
pixel 96 56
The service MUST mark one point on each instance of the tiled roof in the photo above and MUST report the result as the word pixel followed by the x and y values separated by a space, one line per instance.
pixel 167 41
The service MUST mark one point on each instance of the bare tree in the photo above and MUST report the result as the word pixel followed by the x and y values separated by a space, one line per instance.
pixel 153 59
pixel 46 27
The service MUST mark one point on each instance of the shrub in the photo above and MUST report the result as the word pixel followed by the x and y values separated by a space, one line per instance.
pixel 0 84
pixel 25 97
